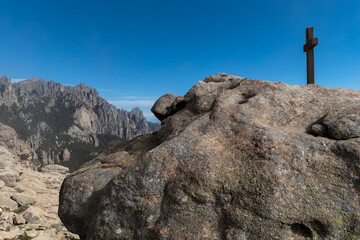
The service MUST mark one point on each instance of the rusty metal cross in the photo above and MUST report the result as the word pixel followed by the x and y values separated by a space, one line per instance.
pixel 311 42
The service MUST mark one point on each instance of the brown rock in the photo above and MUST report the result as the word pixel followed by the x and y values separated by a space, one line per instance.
pixel 44 236
pixel 7 159
pixel 31 233
pixel 221 77
pixel 32 216
pixel 6 202
pixel 319 130
pixel 344 123
pixel 65 155
pixel 12 234
pixel 23 199
pixel 18 220
pixel 240 160
pixel 58 169
pixel 7 136
pixel 162 107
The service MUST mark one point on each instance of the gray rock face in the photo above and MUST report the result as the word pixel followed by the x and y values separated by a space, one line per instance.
pixel 48 123
pixel 65 155
pixel 6 202
pixel 55 169
pixel 23 199
pixel 221 77
pixel 7 162
pixel 240 159
pixel 163 106
pixel 18 220
pixel 7 159
pixel 10 140
pixel 32 216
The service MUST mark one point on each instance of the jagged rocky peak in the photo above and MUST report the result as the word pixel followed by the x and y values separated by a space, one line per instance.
pixel 50 117
pixel 4 80
pixel 235 158
pixel 33 80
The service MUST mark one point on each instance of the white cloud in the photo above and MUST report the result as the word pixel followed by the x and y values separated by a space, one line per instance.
pixel 17 79
pixel 136 97
pixel 148 114
pixel 133 103
pixel 150 117
pixel 105 90
pixel 143 102
pixel 69 85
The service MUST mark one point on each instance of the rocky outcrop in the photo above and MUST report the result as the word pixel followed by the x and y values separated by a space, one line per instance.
pixel 65 155
pixel 235 159
pixel 10 140
pixel 29 201
pixel 49 123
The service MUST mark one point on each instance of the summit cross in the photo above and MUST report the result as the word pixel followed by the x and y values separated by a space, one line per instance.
pixel 311 42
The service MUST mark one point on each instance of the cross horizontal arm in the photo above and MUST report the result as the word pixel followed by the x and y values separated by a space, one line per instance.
pixel 311 44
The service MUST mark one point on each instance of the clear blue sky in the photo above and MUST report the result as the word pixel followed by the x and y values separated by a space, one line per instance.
pixel 134 51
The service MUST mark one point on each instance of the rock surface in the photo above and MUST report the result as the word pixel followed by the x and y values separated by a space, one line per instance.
pixel 48 123
pixel 29 204
pixel 23 199
pixel 235 159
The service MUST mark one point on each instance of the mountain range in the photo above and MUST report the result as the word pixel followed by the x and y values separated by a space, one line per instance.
pixel 44 122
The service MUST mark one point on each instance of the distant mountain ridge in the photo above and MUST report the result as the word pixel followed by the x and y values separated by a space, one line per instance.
pixel 60 124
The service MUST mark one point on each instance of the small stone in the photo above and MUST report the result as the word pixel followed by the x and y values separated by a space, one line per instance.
pixel 57 169
pixel 6 202
pixel 343 126
pixel 42 227
pixel 162 105
pixel 11 184
pixel 7 158
pixel 2 184
pixel 12 234
pixel 8 175
pixel 44 237
pixel 18 220
pixel 57 226
pixel 31 233
pixel 22 208
pixel 7 217
pixel 31 216
pixel 5 226
pixel 69 235
pixel 318 130
pixel 32 227
pixel 23 199
pixel 19 189
pixel 48 234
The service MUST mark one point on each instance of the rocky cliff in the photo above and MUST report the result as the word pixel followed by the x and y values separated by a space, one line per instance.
pixel 235 159
pixel 49 123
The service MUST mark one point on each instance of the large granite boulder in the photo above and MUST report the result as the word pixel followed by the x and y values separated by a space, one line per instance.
pixel 7 162
pixel 235 159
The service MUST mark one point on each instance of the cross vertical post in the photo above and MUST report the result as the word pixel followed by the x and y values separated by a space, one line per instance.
pixel 311 42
